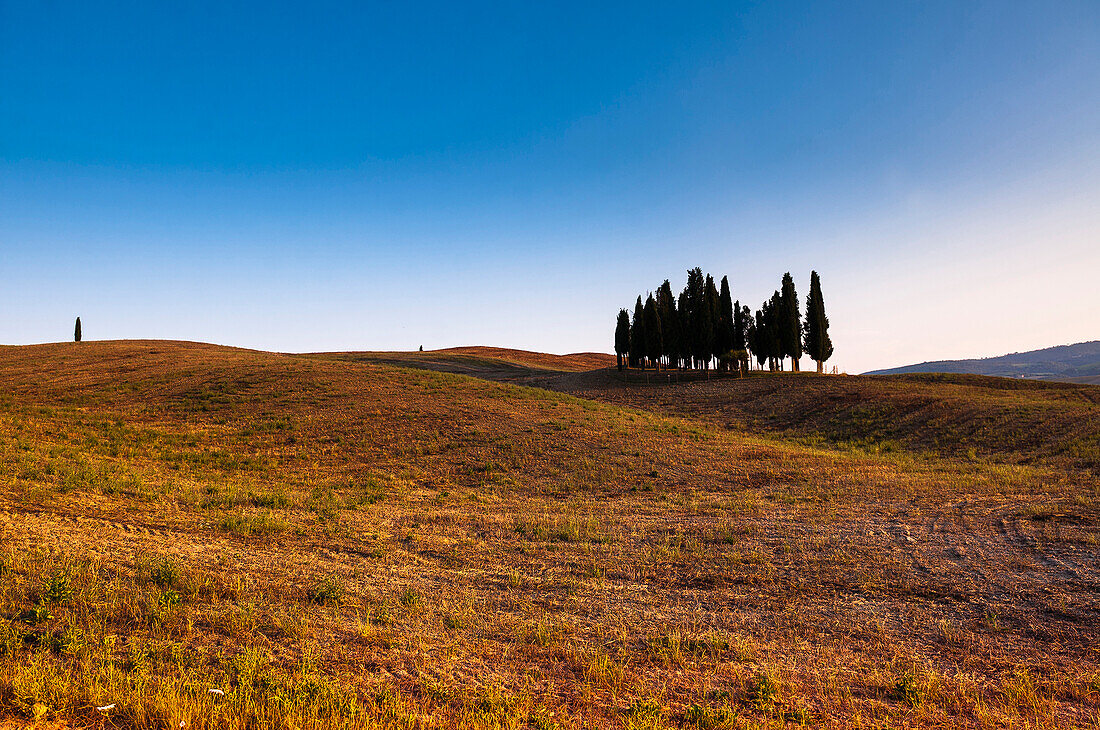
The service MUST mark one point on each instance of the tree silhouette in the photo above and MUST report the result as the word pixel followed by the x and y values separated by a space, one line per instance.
pixel 76 331
pixel 742 323
pixel 683 319
pixel 622 336
pixel 790 322
pixel 819 346
pixel 704 324
pixel 698 324
pixel 773 336
pixel 724 330
pixel 670 324
pixel 758 337
pixel 654 346
pixel 710 322
pixel 637 335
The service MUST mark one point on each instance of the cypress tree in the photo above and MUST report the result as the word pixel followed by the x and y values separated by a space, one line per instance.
pixel 683 320
pixel 759 335
pixel 773 336
pixel 724 337
pixel 790 322
pixel 697 325
pixel 670 326
pixel 76 331
pixel 819 346
pixel 742 320
pixel 637 335
pixel 622 336
pixel 742 324
pixel 710 322
pixel 654 346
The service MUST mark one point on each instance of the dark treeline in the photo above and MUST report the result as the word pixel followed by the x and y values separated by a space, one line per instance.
pixel 705 328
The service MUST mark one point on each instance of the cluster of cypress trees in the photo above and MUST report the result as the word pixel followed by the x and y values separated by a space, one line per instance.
pixel 705 328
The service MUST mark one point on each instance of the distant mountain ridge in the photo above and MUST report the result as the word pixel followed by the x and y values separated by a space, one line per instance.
pixel 1078 363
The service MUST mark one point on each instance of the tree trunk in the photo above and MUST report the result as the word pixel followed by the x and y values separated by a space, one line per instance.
pixel 820 366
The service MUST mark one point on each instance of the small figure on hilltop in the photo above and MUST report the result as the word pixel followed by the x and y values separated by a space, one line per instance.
pixel 76 332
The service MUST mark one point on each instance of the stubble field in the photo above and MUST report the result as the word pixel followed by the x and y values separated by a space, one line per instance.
pixel 341 543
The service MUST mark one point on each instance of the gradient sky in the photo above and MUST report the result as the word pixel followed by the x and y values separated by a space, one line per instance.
pixel 321 176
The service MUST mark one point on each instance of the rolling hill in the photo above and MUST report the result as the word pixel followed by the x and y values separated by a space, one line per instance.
pixel 972 416
pixel 1078 363
pixel 1005 420
pixel 335 541
pixel 490 363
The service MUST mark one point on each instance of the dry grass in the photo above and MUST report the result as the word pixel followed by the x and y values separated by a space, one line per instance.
pixel 335 544
pixel 498 362
pixel 969 416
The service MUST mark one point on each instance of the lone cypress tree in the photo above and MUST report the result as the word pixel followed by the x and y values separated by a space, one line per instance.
pixel 724 332
pixel 637 335
pixel 790 322
pixel 76 332
pixel 622 336
pixel 818 344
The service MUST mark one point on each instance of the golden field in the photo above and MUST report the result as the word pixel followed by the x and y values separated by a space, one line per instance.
pixel 338 541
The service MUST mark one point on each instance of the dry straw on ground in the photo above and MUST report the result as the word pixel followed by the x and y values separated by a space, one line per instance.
pixel 346 544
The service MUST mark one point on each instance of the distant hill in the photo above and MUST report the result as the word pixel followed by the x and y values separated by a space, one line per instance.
pixel 1078 363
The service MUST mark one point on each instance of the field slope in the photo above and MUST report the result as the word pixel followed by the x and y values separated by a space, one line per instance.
pixel 972 416
pixel 490 363
pixel 347 543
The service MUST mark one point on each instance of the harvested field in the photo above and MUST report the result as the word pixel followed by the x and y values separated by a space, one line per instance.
pixel 351 544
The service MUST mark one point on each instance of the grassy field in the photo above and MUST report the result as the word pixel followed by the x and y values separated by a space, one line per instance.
pixel 970 416
pixel 236 539
pixel 492 363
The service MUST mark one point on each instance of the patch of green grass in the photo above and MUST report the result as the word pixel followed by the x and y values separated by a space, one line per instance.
pixel 58 588
pixel 763 691
pixel 254 525
pixel 328 589
pixel 907 690
pixel 706 718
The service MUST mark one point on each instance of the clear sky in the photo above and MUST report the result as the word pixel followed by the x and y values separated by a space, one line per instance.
pixel 318 176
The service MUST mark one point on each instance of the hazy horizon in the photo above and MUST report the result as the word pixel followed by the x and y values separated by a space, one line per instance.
pixel 370 178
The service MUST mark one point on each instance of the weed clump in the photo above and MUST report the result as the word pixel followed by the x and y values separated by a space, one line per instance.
pixel 327 590
pixel 706 718
pixel 763 691
pixel 907 691
pixel 164 573
pixel 57 589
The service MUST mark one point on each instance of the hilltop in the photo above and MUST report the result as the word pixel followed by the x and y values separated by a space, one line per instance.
pixel 1078 363
pixel 348 543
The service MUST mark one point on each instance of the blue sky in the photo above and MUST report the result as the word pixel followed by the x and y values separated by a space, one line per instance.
pixel 381 176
